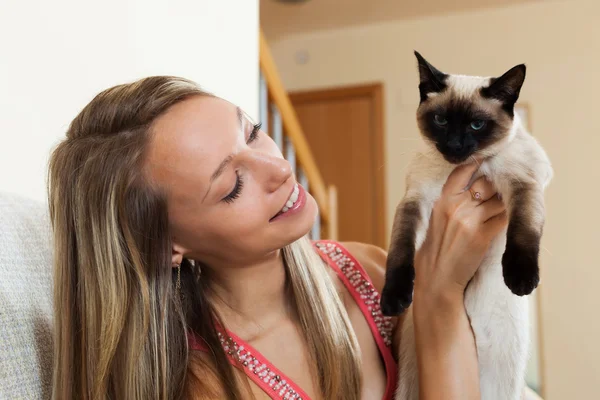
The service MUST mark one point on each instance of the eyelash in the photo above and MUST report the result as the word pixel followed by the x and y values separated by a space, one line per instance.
pixel 239 183
pixel 254 134
pixel 235 193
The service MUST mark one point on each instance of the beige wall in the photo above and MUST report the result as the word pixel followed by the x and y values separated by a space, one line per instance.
pixel 560 42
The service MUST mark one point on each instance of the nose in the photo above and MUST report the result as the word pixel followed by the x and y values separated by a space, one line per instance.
pixel 455 144
pixel 270 170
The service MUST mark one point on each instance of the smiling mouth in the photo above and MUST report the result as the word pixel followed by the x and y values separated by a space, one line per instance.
pixel 291 201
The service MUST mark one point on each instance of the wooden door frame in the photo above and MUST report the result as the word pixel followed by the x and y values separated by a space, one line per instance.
pixel 373 91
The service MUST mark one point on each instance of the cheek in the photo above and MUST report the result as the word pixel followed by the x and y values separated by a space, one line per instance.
pixel 487 136
pixel 246 216
pixel 471 139
pixel 224 226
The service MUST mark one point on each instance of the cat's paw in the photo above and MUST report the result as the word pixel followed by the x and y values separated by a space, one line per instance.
pixel 393 303
pixel 520 269
pixel 397 293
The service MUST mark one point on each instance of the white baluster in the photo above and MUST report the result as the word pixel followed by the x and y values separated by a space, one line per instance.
pixel 277 125
pixel 290 153
pixel 303 179
pixel 263 100
pixel 315 232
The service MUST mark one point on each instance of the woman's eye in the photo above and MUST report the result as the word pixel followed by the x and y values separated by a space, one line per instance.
pixel 237 189
pixel 477 125
pixel 440 120
pixel 254 134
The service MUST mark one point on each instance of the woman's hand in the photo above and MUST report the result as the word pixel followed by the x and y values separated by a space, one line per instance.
pixel 460 231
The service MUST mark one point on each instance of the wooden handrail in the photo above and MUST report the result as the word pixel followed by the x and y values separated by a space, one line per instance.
pixel 292 128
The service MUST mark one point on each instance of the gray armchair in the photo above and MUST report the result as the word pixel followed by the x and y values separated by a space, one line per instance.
pixel 25 299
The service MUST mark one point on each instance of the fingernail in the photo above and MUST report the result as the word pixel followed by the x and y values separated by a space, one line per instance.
pixel 499 196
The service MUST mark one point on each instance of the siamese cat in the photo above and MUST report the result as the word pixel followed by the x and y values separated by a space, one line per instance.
pixel 461 117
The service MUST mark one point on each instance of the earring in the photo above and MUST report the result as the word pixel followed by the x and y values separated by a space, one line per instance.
pixel 178 283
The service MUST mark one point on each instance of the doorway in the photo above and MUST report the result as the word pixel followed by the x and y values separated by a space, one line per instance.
pixel 344 128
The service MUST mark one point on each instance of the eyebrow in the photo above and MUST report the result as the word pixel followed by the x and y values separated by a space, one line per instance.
pixel 221 168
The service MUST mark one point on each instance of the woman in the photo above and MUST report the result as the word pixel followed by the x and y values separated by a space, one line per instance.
pixel 180 229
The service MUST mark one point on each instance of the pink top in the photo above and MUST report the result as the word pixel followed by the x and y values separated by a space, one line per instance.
pixel 273 381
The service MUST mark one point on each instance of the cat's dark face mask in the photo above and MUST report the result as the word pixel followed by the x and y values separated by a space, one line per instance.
pixel 462 116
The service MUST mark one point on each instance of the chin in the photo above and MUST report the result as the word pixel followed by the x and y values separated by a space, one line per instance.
pixel 457 160
pixel 454 158
pixel 299 225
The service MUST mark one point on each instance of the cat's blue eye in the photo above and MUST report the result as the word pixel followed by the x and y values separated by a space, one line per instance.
pixel 440 120
pixel 477 125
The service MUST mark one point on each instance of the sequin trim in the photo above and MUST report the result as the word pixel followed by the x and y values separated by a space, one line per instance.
pixel 368 294
pixel 243 357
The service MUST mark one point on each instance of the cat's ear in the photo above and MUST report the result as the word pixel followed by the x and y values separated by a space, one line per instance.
pixel 431 80
pixel 507 87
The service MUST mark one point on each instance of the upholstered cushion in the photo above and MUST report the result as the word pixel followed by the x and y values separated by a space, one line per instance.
pixel 25 299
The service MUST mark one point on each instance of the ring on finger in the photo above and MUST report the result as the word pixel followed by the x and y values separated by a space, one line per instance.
pixel 475 195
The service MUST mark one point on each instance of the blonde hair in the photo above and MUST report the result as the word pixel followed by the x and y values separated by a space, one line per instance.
pixel 120 326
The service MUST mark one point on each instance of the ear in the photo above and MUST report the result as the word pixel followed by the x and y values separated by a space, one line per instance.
pixel 507 88
pixel 177 253
pixel 431 80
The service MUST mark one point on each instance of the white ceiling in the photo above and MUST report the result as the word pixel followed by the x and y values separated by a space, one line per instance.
pixel 279 19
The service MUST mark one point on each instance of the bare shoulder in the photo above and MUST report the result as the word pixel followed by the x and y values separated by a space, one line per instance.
pixel 372 258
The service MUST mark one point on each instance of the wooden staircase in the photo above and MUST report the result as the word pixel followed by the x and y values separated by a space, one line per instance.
pixel 281 123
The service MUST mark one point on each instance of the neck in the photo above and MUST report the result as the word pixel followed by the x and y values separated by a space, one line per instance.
pixel 250 299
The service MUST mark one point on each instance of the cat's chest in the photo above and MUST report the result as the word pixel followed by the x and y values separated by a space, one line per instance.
pixel 431 185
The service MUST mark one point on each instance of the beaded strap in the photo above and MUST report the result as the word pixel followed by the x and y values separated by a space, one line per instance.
pixel 257 368
pixel 359 283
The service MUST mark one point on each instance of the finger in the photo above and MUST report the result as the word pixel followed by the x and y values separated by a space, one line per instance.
pixel 460 177
pixel 435 232
pixel 484 188
pixel 491 208
pixel 496 224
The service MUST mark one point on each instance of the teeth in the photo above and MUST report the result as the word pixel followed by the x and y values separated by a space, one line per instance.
pixel 293 198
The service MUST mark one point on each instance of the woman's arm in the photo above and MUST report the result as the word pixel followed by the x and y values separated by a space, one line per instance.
pixel 444 335
pixel 448 333
pixel 459 234
pixel 446 352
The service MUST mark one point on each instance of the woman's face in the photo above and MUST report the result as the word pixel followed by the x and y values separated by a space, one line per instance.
pixel 227 184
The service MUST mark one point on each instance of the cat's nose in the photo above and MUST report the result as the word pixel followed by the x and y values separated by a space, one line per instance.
pixel 455 145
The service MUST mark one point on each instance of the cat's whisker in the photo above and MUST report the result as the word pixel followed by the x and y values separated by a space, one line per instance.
pixel 413 151
pixel 413 138
pixel 547 251
pixel 476 161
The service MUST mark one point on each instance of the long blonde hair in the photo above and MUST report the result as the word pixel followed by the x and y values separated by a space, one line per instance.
pixel 120 325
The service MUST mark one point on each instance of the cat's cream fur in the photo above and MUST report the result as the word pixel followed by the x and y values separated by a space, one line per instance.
pixel 499 318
